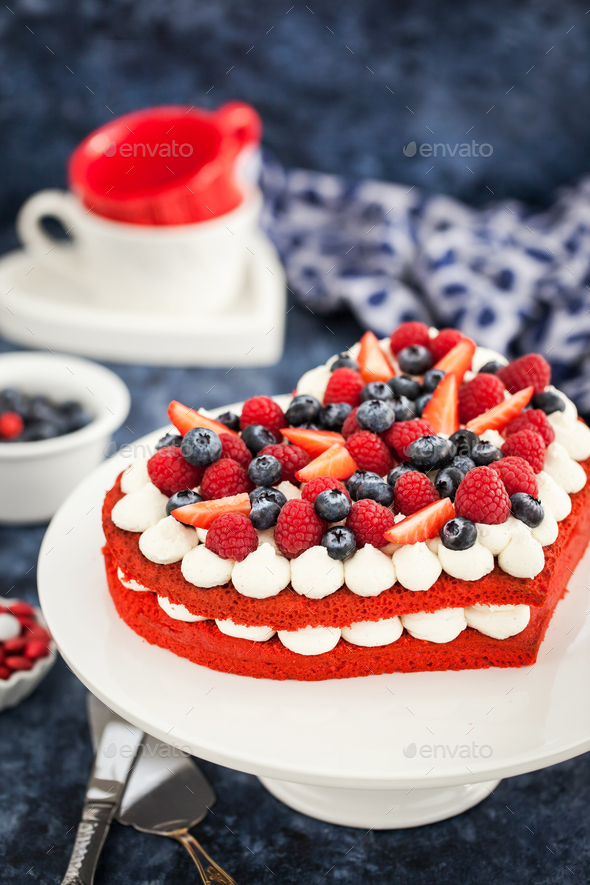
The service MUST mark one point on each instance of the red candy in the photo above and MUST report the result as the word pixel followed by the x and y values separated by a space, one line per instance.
pixel 18 662
pixel 15 646
pixel 35 649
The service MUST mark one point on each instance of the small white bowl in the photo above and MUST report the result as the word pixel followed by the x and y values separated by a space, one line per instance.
pixel 22 683
pixel 35 477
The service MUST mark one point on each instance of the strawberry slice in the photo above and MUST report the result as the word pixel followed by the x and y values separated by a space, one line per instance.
pixel 314 442
pixel 335 462
pixel 498 417
pixel 421 525
pixel 373 364
pixel 458 360
pixel 201 515
pixel 442 410
pixel 184 419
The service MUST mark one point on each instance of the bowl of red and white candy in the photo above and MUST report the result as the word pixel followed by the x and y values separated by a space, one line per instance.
pixel 27 651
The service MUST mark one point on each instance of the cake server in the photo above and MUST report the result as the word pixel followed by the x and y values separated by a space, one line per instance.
pixel 166 795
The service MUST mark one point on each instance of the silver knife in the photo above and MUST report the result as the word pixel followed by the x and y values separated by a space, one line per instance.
pixel 115 755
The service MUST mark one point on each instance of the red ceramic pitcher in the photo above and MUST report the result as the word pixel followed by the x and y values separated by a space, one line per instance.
pixel 165 165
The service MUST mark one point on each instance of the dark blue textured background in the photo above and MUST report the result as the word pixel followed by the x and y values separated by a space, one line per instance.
pixel 319 77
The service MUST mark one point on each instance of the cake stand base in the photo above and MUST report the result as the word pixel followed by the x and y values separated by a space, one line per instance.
pixel 379 809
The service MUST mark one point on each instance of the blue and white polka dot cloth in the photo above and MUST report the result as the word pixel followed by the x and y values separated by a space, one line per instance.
pixel 513 280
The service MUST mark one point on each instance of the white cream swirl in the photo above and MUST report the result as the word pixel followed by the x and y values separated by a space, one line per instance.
pixel 372 634
pixel 140 510
pixel 441 626
pixel 167 541
pixel 369 572
pixel 315 574
pixel 203 568
pixel 417 568
pixel 262 573
pixel 498 621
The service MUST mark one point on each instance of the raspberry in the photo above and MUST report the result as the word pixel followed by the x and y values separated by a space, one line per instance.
pixel 527 444
pixel 482 497
pixel 235 448
pixel 298 528
pixel 263 410
pixel 413 490
pixel 402 433
pixel 531 369
pixel 533 419
pixel 351 425
pixel 344 386
pixel 444 341
pixel 369 520
pixel 517 475
pixel 292 459
pixel 370 452
pixel 232 536
pixel 11 425
pixel 319 484
pixel 170 473
pixel 479 395
pixel 225 478
pixel 407 334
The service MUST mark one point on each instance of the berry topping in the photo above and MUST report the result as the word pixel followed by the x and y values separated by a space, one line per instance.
pixel 484 453
pixel 431 380
pixel 448 480
pixel 394 475
pixel 201 446
pixel 458 533
pixel 184 419
pixel 403 433
pixel 376 489
pixel 344 386
pixel 314 442
pixel 415 359
pixel 340 542
pixel 181 499
pixel 444 341
pixel 491 367
pixel 265 470
pixel 333 416
pixel 291 458
pixel 373 364
pixel 232 536
pixel 257 437
pixel 170 472
pixel 423 524
pixel 230 420
pixel 262 493
pixel 413 491
pixel 479 395
pixel 344 361
pixel 517 475
pixel 236 448
pixel 458 360
pixel 549 402
pixel 332 505
pixel 533 419
pixel 265 508
pixel 405 385
pixel 527 444
pixel 377 390
pixel 358 477
pixel 403 408
pixel 314 487
pixel 442 410
pixel 408 334
pixel 482 497
pixel 304 409
pixel 431 452
pixel 298 528
pixel 529 370
pixel 498 417
pixel 528 509
pixel 464 441
pixel 335 462
pixel 169 439
pixel 11 425
pixel 369 452
pixel 375 415
pixel 351 425
pixel 224 479
pixel 201 515
pixel 263 410
pixel 420 404
pixel 369 521
pixel 462 463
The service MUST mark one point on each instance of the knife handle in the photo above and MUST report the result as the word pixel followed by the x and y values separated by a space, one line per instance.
pixel 90 836
pixel 211 873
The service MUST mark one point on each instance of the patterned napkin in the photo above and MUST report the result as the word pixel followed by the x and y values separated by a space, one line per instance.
pixel 513 280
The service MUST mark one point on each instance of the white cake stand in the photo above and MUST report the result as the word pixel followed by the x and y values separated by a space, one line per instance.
pixel 378 752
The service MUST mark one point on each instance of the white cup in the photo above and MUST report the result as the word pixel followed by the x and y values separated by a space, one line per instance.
pixel 195 268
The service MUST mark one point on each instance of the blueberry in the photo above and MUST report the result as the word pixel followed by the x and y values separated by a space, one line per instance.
pixel 308 427
pixel 484 453
pixel 262 493
pixel 73 415
pixel 354 481
pixel 304 409
pixel 528 509
pixel 432 379
pixel 462 463
pixel 548 402
pixel 376 490
pixel 332 505
pixel 404 409
pixel 491 367
pixel 394 475
pixel 430 452
pixel 201 446
pixel 403 385
pixel 375 415
pixel 169 439
pixel 264 514
pixel 181 499
pixel 420 403
pixel 458 533
pixel 40 408
pixel 229 420
pixel 265 470
pixel 376 390
pixel 415 359
pixel 257 437
pixel 12 400
pixel 333 416
pixel 340 542
pixel 447 481
pixel 344 361
pixel 464 441
pixel 37 430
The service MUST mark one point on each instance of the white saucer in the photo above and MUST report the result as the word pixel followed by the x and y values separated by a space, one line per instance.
pixel 356 751
pixel 42 309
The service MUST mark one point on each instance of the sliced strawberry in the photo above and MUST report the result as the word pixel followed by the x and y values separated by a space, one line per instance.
pixel 335 462
pixel 373 364
pixel 314 442
pixel 201 515
pixel 423 524
pixel 184 419
pixel 458 360
pixel 498 417
pixel 442 411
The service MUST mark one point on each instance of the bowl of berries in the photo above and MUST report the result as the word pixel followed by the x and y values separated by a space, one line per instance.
pixel 27 651
pixel 57 415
